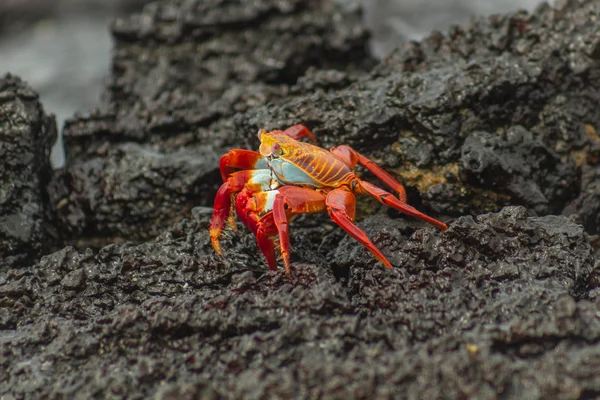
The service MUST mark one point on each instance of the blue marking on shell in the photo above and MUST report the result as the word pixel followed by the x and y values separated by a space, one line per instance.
pixel 289 174
pixel 262 163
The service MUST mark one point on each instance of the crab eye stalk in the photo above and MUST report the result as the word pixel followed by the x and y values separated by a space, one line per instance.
pixel 276 150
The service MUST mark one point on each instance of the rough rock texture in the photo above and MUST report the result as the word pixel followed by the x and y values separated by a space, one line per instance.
pixel 497 306
pixel 26 136
pixel 588 203
pixel 504 304
pixel 501 112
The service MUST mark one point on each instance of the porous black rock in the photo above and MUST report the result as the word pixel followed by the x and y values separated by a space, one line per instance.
pixel 490 307
pixel 26 137
pixel 587 205
pixel 526 169
pixel 130 192
pixel 417 110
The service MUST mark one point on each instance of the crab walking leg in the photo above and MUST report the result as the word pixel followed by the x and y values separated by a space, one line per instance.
pixel 389 200
pixel 253 179
pixel 341 206
pixel 289 201
pixel 241 201
pixel 295 132
pixel 240 159
pixel 263 228
pixel 264 233
pixel 249 205
pixel 221 212
pixel 352 157
pixel 299 131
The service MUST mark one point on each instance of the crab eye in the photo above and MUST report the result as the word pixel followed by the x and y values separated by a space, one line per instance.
pixel 276 150
pixel 260 132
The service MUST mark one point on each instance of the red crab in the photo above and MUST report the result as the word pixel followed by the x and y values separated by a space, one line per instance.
pixel 288 177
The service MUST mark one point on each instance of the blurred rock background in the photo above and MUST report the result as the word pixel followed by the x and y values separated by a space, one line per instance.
pixel 395 21
pixel 62 47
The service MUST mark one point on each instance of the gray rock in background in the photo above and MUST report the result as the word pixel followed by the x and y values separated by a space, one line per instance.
pixel 393 22
pixel 26 136
pixel 62 47
pixel 65 61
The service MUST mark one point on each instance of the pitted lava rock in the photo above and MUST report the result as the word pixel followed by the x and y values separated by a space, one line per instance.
pixel 418 109
pixel 132 189
pixel 521 165
pixel 504 304
pixel 588 203
pixel 26 137
pixel 479 311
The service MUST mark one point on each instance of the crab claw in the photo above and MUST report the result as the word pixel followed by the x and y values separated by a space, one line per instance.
pixel 220 215
pixel 223 204
pixel 239 159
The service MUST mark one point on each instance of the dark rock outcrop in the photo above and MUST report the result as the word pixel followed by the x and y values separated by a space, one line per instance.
pixel 26 137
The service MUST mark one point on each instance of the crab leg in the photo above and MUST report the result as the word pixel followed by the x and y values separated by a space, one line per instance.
pixel 248 205
pixel 239 159
pixel 389 200
pixel 299 131
pixel 352 157
pixel 222 205
pixel 341 206
pixel 295 132
pixel 265 231
pixel 241 209
pixel 252 201
pixel 253 179
pixel 289 201
pixel 281 204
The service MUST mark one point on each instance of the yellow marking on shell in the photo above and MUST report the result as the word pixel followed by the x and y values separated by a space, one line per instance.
pixel 328 171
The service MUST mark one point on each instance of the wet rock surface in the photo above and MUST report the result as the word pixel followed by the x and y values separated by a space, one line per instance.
pixel 26 136
pixel 496 299
pixel 503 304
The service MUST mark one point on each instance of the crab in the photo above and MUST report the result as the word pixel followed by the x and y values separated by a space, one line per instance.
pixel 287 177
